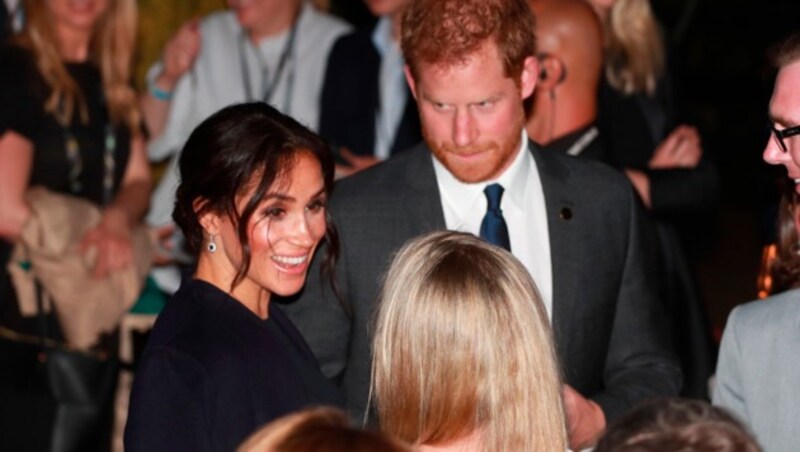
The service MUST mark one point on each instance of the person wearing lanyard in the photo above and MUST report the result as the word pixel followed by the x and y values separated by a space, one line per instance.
pixel 256 50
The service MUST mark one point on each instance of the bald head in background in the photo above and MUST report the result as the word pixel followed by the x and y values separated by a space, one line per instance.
pixel 570 50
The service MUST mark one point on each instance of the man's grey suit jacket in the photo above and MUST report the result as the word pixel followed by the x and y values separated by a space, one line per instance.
pixel 607 322
pixel 758 371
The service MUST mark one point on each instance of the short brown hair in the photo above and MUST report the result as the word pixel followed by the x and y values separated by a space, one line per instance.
pixel 669 424
pixel 785 52
pixel 448 32
pixel 321 429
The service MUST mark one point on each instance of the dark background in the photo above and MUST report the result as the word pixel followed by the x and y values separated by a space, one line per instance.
pixel 717 52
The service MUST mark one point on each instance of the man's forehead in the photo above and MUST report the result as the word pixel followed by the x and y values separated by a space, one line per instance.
pixel 789 77
pixel 485 52
pixel 785 102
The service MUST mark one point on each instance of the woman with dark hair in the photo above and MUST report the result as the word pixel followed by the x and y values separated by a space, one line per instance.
pixel 222 360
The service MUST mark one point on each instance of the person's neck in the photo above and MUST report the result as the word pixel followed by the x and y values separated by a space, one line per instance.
pixel 282 20
pixel 570 114
pixel 217 273
pixel 73 44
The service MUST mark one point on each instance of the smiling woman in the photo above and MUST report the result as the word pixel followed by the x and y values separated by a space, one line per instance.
pixel 222 360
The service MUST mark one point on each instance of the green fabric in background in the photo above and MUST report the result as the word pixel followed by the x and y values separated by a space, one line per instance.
pixel 151 300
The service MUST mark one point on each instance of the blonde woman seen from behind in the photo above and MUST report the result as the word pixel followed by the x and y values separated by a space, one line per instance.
pixel 463 351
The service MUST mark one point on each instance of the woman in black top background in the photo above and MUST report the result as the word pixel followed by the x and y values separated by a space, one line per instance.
pixel 222 360
pixel 69 122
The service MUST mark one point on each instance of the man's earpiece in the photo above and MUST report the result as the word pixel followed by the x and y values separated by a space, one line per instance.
pixel 542 73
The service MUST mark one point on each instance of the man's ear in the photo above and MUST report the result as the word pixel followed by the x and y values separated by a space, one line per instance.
pixel 552 72
pixel 528 77
pixel 411 83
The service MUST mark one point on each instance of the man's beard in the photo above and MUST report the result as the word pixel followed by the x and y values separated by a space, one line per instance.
pixel 500 155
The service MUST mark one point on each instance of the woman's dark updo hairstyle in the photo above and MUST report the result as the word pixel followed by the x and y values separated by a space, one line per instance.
pixel 223 155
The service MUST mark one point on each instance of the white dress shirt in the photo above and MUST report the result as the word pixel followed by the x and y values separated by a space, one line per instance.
pixel 391 87
pixel 523 205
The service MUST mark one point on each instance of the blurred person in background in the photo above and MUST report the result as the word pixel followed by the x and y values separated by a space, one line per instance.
pixel 367 111
pixel 69 122
pixel 563 108
pixel 665 163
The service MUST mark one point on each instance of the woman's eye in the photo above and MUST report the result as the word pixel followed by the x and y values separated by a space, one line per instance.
pixel 316 206
pixel 274 212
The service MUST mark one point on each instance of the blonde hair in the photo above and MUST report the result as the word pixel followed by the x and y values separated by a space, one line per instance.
pixel 463 345
pixel 111 49
pixel 634 47
pixel 319 430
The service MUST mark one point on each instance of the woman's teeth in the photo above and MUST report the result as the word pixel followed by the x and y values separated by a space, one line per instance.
pixel 290 260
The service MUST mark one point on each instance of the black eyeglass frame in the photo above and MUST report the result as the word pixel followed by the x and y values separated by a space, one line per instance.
pixel 781 135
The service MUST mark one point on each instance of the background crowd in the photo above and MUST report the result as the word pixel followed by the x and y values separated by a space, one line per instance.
pixel 306 152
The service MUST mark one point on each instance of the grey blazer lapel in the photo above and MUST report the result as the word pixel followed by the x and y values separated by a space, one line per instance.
pixel 422 202
pixel 563 223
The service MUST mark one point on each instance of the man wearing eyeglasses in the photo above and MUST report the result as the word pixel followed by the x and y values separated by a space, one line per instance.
pixel 758 370
pixel 784 110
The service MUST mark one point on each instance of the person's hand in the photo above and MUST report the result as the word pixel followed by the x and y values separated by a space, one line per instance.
pixel 680 149
pixel 641 183
pixel 111 242
pixel 162 236
pixel 585 419
pixel 355 163
pixel 179 54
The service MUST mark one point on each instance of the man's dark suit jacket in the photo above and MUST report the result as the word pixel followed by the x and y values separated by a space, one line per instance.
pixel 350 98
pixel 606 318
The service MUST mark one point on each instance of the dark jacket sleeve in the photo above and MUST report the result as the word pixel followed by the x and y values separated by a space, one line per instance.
pixel 639 362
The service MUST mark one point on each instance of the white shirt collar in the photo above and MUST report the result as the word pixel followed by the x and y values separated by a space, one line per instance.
pixel 514 180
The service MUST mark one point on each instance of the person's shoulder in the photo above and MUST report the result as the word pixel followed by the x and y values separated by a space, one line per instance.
pixel 353 44
pixel 323 24
pixel 221 22
pixel 386 179
pixel 590 174
pixel 780 309
pixel 188 318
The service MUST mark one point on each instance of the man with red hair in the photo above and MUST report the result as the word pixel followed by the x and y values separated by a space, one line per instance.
pixel 575 225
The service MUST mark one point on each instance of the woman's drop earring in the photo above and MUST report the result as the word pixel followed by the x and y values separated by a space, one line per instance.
pixel 212 247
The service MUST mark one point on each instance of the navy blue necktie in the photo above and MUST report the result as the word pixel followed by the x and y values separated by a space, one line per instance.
pixel 493 226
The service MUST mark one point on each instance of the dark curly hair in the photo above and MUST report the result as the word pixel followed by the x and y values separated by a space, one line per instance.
pixel 229 150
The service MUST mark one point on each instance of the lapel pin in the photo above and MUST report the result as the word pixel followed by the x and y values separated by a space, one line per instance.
pixel 566 214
